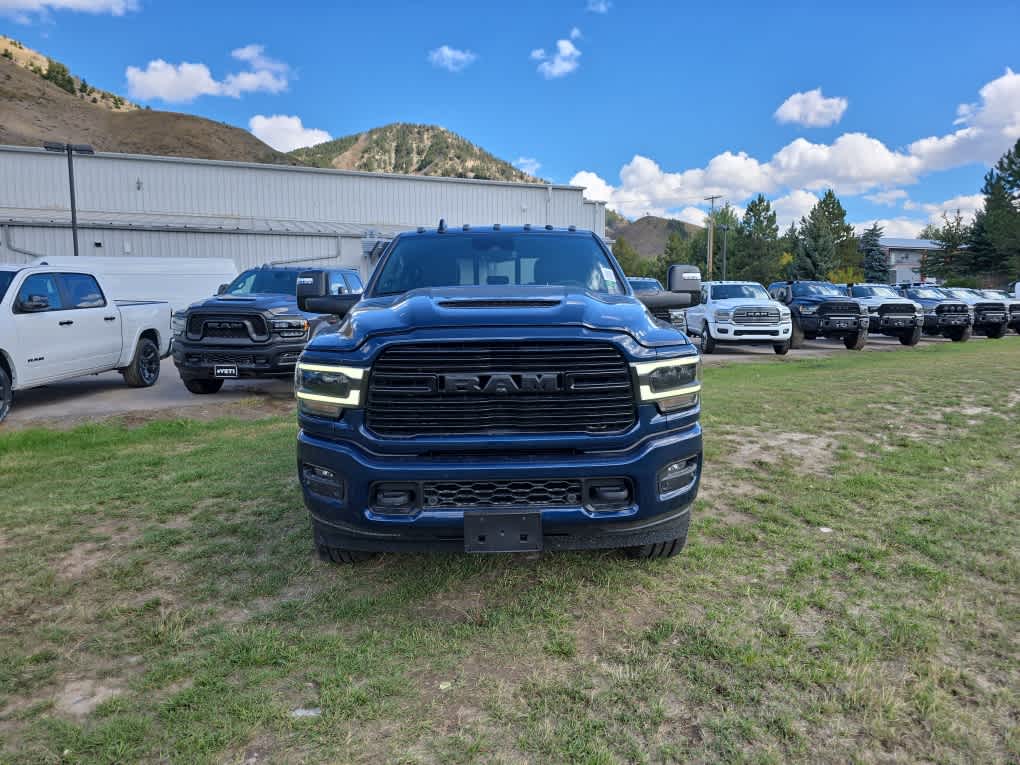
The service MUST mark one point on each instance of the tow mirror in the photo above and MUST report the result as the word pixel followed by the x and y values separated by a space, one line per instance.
pixel 35 304
pixel 684 282
pixel 313 295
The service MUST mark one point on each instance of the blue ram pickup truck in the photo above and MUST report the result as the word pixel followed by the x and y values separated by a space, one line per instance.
pixel 498 390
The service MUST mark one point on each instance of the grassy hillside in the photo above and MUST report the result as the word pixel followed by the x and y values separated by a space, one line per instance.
pixel 411 149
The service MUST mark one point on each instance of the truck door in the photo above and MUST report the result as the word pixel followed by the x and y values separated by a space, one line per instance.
pixel 96 323
pixel 45 338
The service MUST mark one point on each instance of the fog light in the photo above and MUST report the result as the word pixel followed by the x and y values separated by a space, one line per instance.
pixel 323 481
pixel 677 403
pixel 319 408
pixel 609 494
pixel 393 498
pixel 677 475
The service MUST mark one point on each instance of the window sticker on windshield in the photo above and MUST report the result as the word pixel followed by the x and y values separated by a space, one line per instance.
pixel 609 276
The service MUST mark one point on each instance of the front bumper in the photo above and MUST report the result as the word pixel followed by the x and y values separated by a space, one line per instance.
pixel 728 332
pixel 937 322
pixel 894 322
pixel 199 360
pixel 352 522
pixel 832 325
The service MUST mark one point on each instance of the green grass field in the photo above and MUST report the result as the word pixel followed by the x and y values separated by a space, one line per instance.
pixel 850 593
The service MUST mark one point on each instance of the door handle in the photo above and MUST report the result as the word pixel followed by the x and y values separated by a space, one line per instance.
pixel 109 318
pixel 67 323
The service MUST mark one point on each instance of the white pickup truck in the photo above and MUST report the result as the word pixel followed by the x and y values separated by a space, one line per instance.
pixel 739 312
pixel 56 323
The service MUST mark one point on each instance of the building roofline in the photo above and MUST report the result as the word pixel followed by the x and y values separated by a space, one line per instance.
pixel 290 168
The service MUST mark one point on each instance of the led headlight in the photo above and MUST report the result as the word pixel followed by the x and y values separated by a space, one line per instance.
pixel 290 326
pixel 325 390
pixel 723 315
pixel 673 384
pixel 178 324
pixel 807 308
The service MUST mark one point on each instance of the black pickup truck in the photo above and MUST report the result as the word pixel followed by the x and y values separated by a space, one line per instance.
pixel 821 309
pixel 943 315
pixel 252 328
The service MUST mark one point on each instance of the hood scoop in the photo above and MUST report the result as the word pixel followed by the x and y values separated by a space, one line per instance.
pixel 500 303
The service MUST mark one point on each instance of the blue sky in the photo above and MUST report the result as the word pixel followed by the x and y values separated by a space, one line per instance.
pixel 652 106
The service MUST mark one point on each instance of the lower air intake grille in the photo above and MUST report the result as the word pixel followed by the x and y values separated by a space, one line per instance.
pixel 526 493
pixel 473 388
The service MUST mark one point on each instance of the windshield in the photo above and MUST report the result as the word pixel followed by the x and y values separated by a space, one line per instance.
pixel 739 292
pixel 264 281
pixel 496 259
pixel 6 277
pixel 879 292
pixel 801 289
pixel 993 294
pixel 645 285
pixel 926 293
pixel 958 293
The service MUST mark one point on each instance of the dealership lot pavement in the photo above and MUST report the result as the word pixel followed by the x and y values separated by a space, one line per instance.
pixel 101 396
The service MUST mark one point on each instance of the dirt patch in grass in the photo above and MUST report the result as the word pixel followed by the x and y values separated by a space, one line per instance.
pixel 79 698
pixel 87 557
pixel 755 449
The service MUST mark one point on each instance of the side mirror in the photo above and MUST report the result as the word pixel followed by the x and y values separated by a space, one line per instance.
pixel 35 304
pixel 221 289
pixel 313 295
pixel 685 282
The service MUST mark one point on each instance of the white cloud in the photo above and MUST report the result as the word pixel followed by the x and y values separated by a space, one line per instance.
pixel 693 215
pixel 184 82
pixel 575 34
pixel 791 207
pixel 989 127
pixel 530 165
pixel 907 228
pixel 598 6
pixel 563 62
pixel 285 133
pixel 811 109
pixel 451 59
pixel 22 10
pixel 888 198
pixel 967 204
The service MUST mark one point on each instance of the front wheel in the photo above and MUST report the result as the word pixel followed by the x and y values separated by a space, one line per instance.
pixel 341 556
pixel 707 341
pixel 781 349
pixel 143 371
pixel 959 334
pixel 913 338
pixel 999 330
pixel 6 393
pixel 667 549
pixel 202 386
pixel 856 341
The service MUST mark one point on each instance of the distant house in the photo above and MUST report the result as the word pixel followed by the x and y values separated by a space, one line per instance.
pixel 906 258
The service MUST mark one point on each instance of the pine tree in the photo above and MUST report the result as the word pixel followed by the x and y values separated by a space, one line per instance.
pixel 789 245
pixel 876 262
pixel 628 258
pixel 816 251
pixel 757 252
pixel 951 260
pixel 848 254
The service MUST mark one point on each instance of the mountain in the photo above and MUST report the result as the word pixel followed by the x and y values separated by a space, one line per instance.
pixel 40 100
pixel 649 234
pixel 411 149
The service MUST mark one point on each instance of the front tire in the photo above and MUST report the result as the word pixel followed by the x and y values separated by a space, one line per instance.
pixel 996 332
pixel 658 550
pixel 143 372
pixel 781 349
pixel 707 341
pixel 340 556
pixel 203 387
pixel 6 393
pixel 913 338
pixel 856 341
pixel 960 334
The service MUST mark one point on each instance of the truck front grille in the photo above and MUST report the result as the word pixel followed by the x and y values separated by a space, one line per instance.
pixel 755 315
pixel 221 358
pixel 520 493
pixel 474 388
pixel 951 308
pixel 229 327
pixel 895 308
pixel 841 307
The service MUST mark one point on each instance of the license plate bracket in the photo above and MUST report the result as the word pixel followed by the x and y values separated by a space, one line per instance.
pixel 500 532
pixel 225 370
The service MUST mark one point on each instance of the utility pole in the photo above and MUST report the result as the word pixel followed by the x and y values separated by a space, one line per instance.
pixel 711 233
pixel 725 231
pixel 71 149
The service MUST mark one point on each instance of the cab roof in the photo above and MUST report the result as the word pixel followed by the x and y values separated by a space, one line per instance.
pixel 495 228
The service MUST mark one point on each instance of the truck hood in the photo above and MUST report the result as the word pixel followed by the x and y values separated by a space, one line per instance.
pixel 465 307
pixel 736 302
pixel 263 302
pixel 874 302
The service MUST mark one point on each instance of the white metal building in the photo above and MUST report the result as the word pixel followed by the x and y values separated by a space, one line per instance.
pixel 906 258
pixel 253 213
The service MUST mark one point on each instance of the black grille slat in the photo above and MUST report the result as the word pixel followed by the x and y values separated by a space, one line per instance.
pixel 221 358
pixel 228 326
pixel 602 401
pixel 895 308
pixel 839 307
pixel 517 493
pixel 950 309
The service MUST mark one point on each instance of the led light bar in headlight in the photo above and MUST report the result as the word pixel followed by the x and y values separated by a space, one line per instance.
pixel 674 383
pixel 325 389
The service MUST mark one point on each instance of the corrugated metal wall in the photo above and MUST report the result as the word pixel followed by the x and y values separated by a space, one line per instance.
pixel 246 250
pixel 107 183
